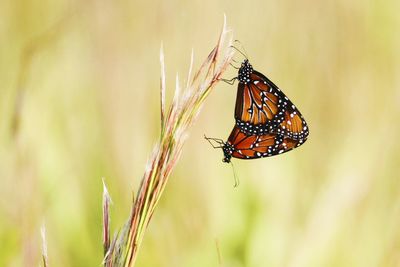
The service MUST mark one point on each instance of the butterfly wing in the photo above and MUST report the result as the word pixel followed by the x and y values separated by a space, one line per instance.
pixel 257 102
pixel 293 125
pixel 261 107
pixel 258 146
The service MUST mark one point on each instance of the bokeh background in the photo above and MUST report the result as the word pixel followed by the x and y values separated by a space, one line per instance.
pixel 79 100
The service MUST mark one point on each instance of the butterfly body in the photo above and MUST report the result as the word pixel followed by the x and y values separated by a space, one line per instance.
pixel 244 72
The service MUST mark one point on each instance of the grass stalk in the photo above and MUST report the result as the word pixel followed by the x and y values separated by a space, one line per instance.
pixel 44 246
pixel 175 124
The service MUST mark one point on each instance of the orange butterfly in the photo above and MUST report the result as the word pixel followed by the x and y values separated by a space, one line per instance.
pixel 243 146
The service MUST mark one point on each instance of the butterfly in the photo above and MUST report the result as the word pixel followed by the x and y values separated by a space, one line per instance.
pixel 267 122
pixel 243 146
pixel 261 107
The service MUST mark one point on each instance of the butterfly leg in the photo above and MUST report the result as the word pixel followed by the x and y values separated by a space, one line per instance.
pixel 217 140
pixel 231 81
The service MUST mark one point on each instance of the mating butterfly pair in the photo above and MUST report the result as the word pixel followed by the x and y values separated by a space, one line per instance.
pixel 267 122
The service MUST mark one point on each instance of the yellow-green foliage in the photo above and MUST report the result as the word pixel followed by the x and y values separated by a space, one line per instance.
pixel 79 100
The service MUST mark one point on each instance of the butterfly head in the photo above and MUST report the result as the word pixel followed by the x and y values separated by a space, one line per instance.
pixel 244 72
pixel 228 150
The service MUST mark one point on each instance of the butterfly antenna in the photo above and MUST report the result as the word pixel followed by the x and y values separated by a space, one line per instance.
pixel 244 50
pixel 218 252
pixel 234 65
pixel 237 49
pixel 235 177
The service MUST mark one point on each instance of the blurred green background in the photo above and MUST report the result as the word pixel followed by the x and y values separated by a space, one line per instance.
pixel 79 101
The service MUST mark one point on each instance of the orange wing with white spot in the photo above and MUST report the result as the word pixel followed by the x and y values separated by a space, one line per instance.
pixel 257 102
pixel 261 108
pixel 293 125
pixel 257 146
